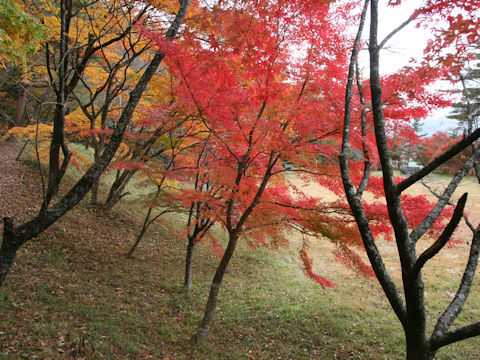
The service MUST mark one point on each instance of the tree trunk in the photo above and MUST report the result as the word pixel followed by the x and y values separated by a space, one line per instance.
pixel 19 108
pixel 146 223
pixel 9 248
pixel 417 348
pixel 96 185
pixel 94 193
pixel 188 263
pixel 55 172
pixel 54 159
pixel 118 187
pixel 204 326
pixel 476 161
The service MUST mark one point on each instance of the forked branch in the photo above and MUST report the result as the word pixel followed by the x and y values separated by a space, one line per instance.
pixel 439 160
pixel 441 336
pixel 444 237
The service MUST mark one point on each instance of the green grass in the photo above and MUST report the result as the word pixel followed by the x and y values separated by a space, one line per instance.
pixel 73 294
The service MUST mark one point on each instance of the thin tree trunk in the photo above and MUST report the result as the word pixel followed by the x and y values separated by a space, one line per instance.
pixel 96 185
pixel 22 150
pixel 204 326
pixel 19 108
pixel 476 161
pixel 146 223
pixel 94 193
pixel 189 263
pixel 118 187
pixel 56 172
pixel 54 159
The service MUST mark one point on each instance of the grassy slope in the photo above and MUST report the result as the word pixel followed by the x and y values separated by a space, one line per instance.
pixel 72 293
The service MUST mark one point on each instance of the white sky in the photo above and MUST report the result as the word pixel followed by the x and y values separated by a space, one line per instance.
pixel 406 45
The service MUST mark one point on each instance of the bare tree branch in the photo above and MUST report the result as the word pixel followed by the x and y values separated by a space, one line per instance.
pixel 440 336
pixel 439 160
pixel 395 31
pixel 444 199
pixel 444 237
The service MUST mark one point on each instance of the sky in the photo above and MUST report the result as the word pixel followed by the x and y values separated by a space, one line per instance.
pixel 406 45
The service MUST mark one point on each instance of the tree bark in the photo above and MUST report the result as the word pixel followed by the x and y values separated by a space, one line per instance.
pixel 146 222
pixel 9 248
pixel 204 326
pixel 118 187
pixel 19 108
pixel 417 347
pixel 189 263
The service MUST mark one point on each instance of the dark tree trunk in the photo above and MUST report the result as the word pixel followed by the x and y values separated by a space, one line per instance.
pixel 204 326
pixel 94 193
pixel 146 223
pixel 10 245
pixel 118 187
pixel 417 347
pixel 189 263
pixel 55 172
pixel 19 108
pixel 200 229
pixel 96 185
pixel 476 161
pixel 233 234
pixel 412 313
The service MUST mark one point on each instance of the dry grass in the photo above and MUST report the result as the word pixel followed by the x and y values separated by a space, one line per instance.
pixel 442 274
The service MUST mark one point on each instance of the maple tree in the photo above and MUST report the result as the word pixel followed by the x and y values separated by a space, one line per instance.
pixel 20 37
pixel 20 33
pixel 81 35
pixel 432 146
pixel 13 95
pixel 104 86
pixel 160 162
pixel 69 74
pixel 403 144
pixel 265 111
pixel 410 309
pixel 15 236
pixel 150 137
pixel 258 117
pixel 197 203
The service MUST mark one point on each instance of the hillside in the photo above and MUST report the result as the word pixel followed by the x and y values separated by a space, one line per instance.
pixel 73 294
